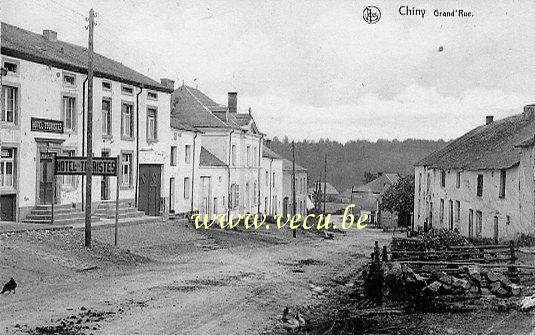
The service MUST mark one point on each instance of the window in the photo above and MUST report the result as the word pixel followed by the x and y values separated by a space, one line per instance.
pixel 152 95
pixel 106 86
pixel 457 210
pixel 173 155
pixel 223 203
pixel 69 181
pixel 458 181
pixel 215 205
pixel 479 223
pixel 507 220
pixel 441 218
pixel 267 178
pixel 248 155
pixel 254 192
pixel 11 67
pixel 7 164
pixel 234 154
pixel 127 121
pixel 69 79
pixel 470 223
pixel 273 183
pixel 10 105
pixel 247 195
pixel 479 185
pixel 126 170
pixel 187 154
pixel 234 196
pixel 419 182
pixel 503 174
pixel 186 188
pixel 106 117
pixel 255 156
pixel 152 121
pixel 128 90
pixel 69 113
pixel 443 178
pixel 451 215
pixel 266 208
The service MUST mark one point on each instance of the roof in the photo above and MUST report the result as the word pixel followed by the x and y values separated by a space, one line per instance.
pixel 379 184
pixel 181 125
pixel 329 187
pixel 209 159
pixel 268 153
pixel 196 109
pixel 33 47
pixel 287 166
pixel 487 147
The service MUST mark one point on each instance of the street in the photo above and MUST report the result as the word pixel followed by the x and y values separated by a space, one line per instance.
pixel 167 278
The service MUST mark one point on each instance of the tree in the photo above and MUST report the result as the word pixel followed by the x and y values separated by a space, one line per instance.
pixel 400 198
pixel 368 177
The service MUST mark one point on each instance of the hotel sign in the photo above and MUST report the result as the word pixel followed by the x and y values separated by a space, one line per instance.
pixel 46 125
pixel 102 166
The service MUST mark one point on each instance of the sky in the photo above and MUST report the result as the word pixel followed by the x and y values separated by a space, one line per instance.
pixel 316 69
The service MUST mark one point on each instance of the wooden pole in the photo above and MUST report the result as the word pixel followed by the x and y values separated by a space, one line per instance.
pixel 117 196
pixel 325 186
pixel 89 166
pixel 293 185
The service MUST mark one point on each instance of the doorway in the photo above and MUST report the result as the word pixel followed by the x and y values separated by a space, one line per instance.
pixel 206 195
pixel 496 237
pixel 7 204
pixel 285 207
pixel 46 178
pixel 150 184
pixel 105 181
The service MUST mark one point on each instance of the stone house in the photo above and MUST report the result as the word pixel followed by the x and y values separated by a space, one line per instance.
pixel 482 183
pixel 44 113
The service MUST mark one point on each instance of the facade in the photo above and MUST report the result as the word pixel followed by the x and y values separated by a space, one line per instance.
pixel 184 158
pixel 482 183
pixel 212 192
pixel 232 138
pixel 300 189
pixel 367 200
pixel 44 92
pixel 271 183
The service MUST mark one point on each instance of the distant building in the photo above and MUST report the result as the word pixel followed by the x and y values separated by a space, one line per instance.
pixel 367 200
pixel 271 185
pixel 483 182
pixel 300 188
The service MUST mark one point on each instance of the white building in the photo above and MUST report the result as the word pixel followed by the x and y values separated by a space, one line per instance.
pixel 44 112
pixel 483 182
pixel 213 192
pixel 301 188
pixel 271 186
pixel 232 138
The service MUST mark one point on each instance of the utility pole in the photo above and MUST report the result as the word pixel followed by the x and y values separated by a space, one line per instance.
pixel 89 166
pixel 293 184
pixel 325 186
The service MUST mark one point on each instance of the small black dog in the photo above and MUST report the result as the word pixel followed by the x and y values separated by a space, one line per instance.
pixel 10 286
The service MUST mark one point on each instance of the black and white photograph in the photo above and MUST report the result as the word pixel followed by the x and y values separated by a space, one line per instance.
pixel 308 167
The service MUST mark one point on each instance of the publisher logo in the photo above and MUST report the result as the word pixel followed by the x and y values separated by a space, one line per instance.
pixel 371 14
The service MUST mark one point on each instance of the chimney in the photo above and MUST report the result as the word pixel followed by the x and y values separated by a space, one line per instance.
pixel 489 119
pixel 168 83
pixel 529 111
pixel 50 35
pixel 233 102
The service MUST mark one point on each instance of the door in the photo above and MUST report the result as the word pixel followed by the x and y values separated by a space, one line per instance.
pixel 205 196
pixel 495 230
pixel 471 223
pixel 149 189
pixel 105 182
pixel 451 215
pixel 285 208
pixel 46 175
pixel 7 203
pixel 171 195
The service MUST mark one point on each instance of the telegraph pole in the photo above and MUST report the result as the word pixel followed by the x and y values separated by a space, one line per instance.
pixel 293 184
pixel 325 186
pixel 89 151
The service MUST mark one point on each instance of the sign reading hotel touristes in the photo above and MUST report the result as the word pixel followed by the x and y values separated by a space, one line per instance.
pixel 46 125
pixel 102 166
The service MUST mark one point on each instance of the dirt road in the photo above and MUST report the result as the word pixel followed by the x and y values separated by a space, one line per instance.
pixel 168 279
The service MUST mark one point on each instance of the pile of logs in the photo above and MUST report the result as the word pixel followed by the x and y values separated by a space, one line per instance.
pixel 478 281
